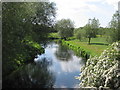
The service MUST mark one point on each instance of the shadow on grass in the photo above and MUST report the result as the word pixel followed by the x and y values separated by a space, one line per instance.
pixel 98 44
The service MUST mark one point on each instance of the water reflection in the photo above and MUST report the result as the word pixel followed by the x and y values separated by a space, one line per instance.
pixel 57 68
pixel 33 75
pixel 71 66
pixel 62 53
pixel 65 65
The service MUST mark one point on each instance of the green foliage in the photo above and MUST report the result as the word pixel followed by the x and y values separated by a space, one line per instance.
pixel 102 70
pixel 102 31
pixel 71 38
pixel 79 33
pixel 91 29
pixel 24 25
pixel 65 28
pixel 78 50
pixel 96 48
pixel 53 35
pixel 45 13
pixel 114 31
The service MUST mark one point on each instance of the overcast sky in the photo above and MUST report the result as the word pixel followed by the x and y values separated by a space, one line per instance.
pixel 80 11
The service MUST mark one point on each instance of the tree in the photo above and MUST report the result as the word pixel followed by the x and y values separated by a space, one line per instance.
pixel 114 28
pixel 79 33
pixel 13 32
pixel 44 19
pixel 102 31
pixel 65 28
pixel 21 20
pixel 91 29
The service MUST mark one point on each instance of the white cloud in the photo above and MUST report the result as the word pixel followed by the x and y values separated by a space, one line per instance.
pixel 72 65
pixel 74 10
pixel 114 3
pixel 79 10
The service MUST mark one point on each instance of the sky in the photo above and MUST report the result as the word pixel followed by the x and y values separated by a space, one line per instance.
pixel 79 11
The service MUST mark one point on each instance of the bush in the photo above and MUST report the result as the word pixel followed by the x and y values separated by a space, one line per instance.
pixel 103 70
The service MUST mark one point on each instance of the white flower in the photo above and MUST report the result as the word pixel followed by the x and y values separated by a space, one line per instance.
pixel 117 43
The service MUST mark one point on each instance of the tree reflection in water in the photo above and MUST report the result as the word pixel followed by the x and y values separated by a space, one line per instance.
pixel 33 75
pixel 63 53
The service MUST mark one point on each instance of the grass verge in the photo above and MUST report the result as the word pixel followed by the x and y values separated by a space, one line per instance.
pixel 97 46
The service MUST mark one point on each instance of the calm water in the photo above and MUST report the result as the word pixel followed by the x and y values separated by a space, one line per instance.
pixel 57 68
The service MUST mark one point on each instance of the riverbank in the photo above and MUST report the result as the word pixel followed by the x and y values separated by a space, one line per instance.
pixel 93 49
pixel 26 53
pixel 97 46
pixel 48 69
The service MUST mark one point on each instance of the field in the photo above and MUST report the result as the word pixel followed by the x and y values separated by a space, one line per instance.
pixel 95 48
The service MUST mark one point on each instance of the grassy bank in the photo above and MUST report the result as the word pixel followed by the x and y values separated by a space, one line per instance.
pixel 54 35
pixel 25 53
pixel 95 48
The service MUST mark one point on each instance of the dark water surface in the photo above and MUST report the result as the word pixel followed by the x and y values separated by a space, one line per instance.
pixel 57 68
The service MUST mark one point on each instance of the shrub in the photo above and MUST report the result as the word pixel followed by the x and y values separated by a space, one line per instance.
pixel 103 70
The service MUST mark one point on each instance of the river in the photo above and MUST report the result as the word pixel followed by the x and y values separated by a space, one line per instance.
pixel 56 68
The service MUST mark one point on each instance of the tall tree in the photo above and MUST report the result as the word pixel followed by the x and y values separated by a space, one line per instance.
pixel 44 19
pixel 13 15
pixel 19 20
pixel 65 28
pixel 91 29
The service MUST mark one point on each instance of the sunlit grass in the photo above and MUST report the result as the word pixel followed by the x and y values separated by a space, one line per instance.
pixel 97 46
pixel 55 35
pixel 32 43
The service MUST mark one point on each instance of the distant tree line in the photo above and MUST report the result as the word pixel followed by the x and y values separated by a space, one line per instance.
pixel 66 29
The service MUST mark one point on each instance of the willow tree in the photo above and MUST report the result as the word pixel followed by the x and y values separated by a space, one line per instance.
pixel 65 28
pixel 21 20
pixel 44 19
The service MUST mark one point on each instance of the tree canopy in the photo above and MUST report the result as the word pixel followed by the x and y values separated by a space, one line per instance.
pixel 24 24
pixel 65 28
pixel 114 25
pixel 91 29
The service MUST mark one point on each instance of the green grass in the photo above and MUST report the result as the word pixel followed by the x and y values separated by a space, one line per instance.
pixel 55 35
pixel 99 40
pixel 97 46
